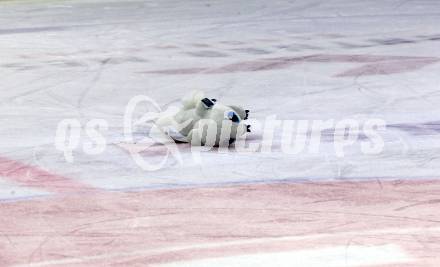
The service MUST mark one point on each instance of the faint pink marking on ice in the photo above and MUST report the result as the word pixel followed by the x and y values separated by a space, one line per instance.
pixel 378 65
pixel 389 67
pixel 36 177
pixel 143 228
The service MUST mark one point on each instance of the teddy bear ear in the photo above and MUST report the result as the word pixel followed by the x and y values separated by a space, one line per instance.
pixel 247 114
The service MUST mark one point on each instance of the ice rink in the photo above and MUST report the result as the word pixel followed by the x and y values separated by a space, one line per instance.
pixel 296 60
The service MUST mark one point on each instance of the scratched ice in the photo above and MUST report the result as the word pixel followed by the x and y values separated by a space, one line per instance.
pixel 296 60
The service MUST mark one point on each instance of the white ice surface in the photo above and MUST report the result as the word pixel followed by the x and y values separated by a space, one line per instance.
pixel 330 257
pixel 86 59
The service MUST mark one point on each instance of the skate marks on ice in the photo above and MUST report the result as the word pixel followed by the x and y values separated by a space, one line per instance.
pixel 295 43
pixel 67 61
pixel 208 54
pixel 32 30
pixel 371 65
pixel 393 41
pixel 189 225
pixel 427 128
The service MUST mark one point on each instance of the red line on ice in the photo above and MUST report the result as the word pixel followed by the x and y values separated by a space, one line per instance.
pixel 35 177
pixel 159 226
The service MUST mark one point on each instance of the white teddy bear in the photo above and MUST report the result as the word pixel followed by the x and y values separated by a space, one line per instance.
pixel 204 121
